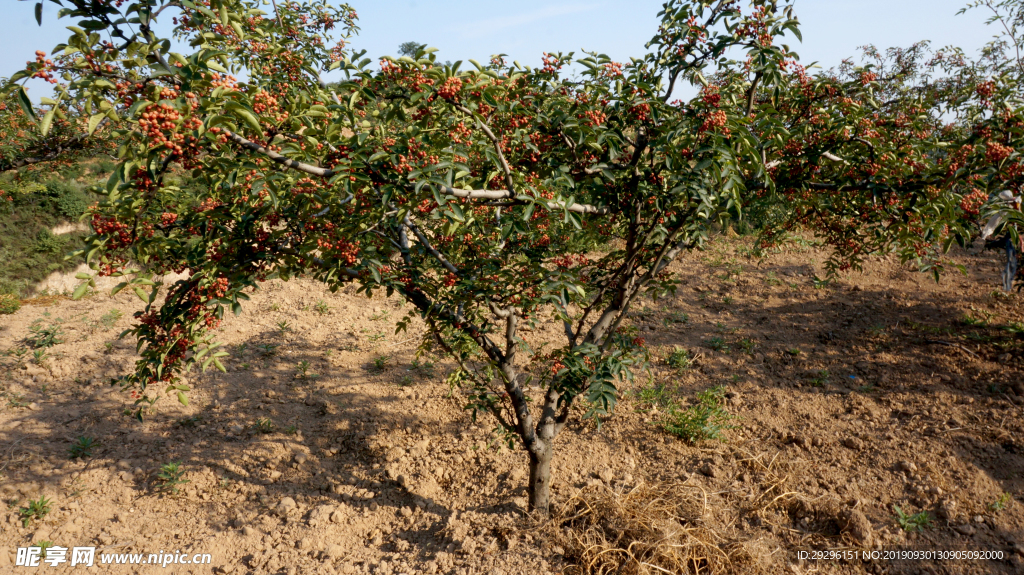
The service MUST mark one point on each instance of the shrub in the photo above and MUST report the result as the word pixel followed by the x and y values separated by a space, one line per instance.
pixel 706 419
pixel 480 195
pixel 9 303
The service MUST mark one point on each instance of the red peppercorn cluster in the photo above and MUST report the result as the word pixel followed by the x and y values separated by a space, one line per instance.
pixel 118 233
pixel 450 89
pixel 43 67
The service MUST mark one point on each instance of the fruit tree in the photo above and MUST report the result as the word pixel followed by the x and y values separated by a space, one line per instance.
pixel 493 196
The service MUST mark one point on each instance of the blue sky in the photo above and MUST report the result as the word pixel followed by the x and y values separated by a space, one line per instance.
pixel 463 29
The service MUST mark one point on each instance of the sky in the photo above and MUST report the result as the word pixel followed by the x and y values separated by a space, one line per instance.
pixel 462 29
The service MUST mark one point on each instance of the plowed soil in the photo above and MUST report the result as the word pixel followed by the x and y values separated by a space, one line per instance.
pixel 330 447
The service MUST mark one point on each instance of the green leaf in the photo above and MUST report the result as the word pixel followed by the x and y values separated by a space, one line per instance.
pixel 26 104
pixel 80 291
pixel 94 122
pixel 44 125
pixel 39 13
pixel 182 399
pixel 142 294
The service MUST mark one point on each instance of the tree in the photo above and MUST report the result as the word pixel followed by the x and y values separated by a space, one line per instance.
pixel 410 49
pixel 499 196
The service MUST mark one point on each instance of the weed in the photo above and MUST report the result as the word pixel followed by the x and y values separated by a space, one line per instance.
pixel 747 345
pixel 18 353
pixel 283 327
pixel 820 379
pixel 36 509
pixel 654 395
pixel 707 419
pixel 170 475
pixel 916 522
pixel 382 315
pixel 679 359
pixel 771 279
pixel 302 370
pixel 1016 328
pixel 82 447
pixel 793 352
pixel 675 317
pixel 110 318
pixel 39 357
pixel 727 300
pixel 263 425
pixel 291 429
pixel 190 421
pixel 44 336
pixel 9 303
pixel 717 343
pixel 267 349
pixel 377 337
pixel 381 361
pixel 969 320
pixel 16 400
pixel 43 546
pixel 425 369
pixel 321 307
pixel 1002 503
pixel 275 307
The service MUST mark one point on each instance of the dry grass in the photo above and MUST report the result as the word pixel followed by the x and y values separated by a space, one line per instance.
pixel 675 527
pixel 651 528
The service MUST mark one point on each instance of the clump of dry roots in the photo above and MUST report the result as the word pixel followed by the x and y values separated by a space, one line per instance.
pixel 649 529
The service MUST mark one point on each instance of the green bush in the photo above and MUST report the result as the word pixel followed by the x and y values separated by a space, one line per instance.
pixel 48 243
pixel 9 303
pixel 69 202
pixel 707 419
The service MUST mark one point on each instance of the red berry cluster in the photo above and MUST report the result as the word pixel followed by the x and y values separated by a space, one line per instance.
pixel 996 152
pixel 44 67
pixel 118 232
pixel 715 122
pixel 450 89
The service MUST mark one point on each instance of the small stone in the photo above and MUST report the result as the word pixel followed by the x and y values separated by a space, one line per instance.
pixel 248 531
pixel 947 510
pixel 906 466
pixel 304 543
pixel 337 517
pixel 406 512
pixel 373 506
pixel 275 475
pixel 286 506
pixel 853 443
pixel 857 527
pixel 979 519
pixel 606 475
pixel 335 551
pixel 965 529
pixel 708 470
pixel 301 458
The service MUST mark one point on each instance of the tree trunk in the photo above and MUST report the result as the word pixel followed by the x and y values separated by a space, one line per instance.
pixel 540 480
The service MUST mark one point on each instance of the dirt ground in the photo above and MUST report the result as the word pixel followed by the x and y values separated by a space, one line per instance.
pixel 329 447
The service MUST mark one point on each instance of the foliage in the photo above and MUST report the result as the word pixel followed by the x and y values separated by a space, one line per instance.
pixel 40 336
pixel 915 522
pixel 82 447
pixel 36 510
pixel 170 477
pixel 679 359
pixel 488 196
pixel 9 303
pixel 705 420
pixel 28 250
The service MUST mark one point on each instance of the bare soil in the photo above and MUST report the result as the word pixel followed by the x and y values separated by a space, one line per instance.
pixel 884 390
